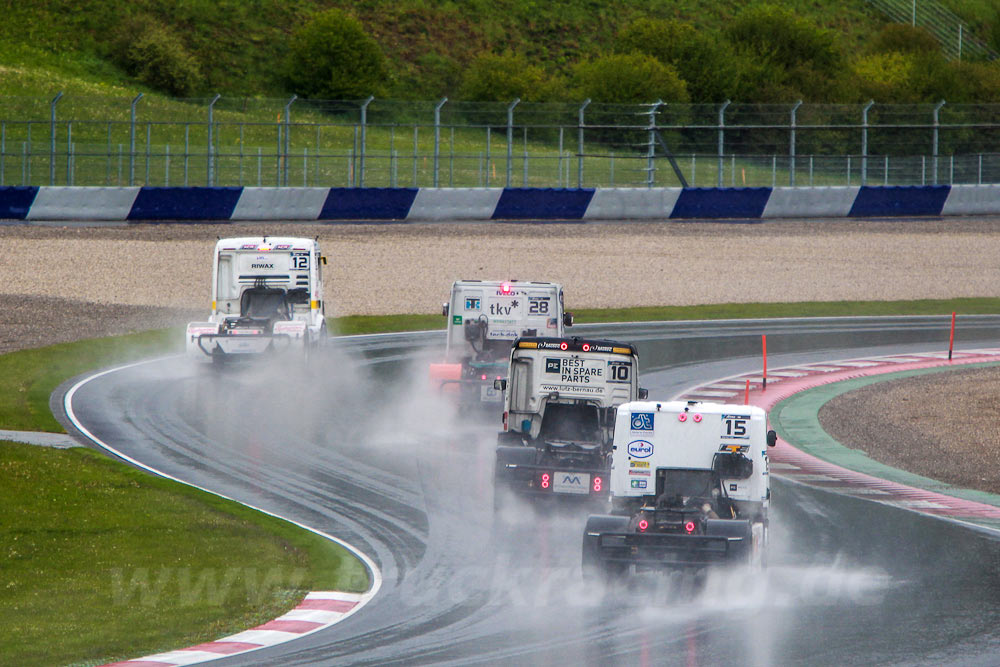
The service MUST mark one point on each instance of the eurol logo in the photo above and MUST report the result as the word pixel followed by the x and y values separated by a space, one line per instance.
pixel 640 449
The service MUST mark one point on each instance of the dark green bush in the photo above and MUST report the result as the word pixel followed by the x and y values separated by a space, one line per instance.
pixel 705 61
pixel 779 36
pixel 332 57
pixel 784 57
pixel 502 78
pixel 629 78
pixel 152 53
pixel 903 38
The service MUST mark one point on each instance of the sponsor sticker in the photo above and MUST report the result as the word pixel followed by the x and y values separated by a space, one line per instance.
pixel 638 464
pixel 456 319
pixel 551 365
pixel 640 449
pixel 642 421
pixel 571 482
pixel 640 473
pixel 638 484
pixel 732 487
pixel 472 303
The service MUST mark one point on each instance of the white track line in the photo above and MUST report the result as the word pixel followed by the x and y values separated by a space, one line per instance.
pixel 376 574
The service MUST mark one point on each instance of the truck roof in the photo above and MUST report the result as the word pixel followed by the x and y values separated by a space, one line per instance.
pixel 237 243
pixel 517 283
pixel 575 344
pixel 694 406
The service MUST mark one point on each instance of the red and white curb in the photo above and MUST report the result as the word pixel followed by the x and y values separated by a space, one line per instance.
pixel 317 611
pixel 795 464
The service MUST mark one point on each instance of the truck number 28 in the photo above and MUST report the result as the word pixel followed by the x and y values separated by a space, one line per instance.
pixel 540 307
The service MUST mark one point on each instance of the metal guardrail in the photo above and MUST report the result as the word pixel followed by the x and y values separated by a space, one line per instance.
pixel 386 143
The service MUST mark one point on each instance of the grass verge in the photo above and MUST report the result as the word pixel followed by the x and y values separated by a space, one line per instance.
pixel 104 562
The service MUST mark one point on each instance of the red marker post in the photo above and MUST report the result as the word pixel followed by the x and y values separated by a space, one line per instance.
pixel 763 338
pixel 951 341
pixel 746 394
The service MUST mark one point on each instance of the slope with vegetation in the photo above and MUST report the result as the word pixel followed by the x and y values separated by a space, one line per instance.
pixel 610 50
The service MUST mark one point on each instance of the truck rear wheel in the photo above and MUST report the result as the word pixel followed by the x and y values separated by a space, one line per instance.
pixel 592 564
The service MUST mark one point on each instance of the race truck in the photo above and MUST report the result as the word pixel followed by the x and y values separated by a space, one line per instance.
pixel 484 319
pixel 559 416
pixel 689 489
pixel 267 296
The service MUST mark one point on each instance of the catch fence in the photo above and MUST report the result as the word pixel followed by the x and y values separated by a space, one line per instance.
pixel 391 143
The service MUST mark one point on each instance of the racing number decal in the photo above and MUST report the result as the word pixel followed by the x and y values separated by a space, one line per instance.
pixel 618 371
pixel 734 426
pixel 300 263
pixel 538 307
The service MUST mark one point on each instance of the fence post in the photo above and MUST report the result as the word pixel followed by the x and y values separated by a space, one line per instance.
pixel 131 141
pixel 437 138
pixel 69 153
pixel 364 137
pixel 52 138
pixel 579 163
pixel 722 125
pixel 510 138
pixel 937 109
pixel 286 146
pixel 651 149
pixel 864 142
pixel 791 146
pixel 210 176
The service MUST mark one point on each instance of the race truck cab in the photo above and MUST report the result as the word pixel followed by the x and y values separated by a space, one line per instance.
pixel 267 295
pixel 689 489
pixel 559 416
pixel 484 318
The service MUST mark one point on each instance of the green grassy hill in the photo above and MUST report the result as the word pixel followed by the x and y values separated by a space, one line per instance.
pixel 48 45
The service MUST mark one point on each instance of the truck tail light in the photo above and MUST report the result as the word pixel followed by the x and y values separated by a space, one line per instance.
pixel 505 420
pixel 643 525
pixel 689 527
pixel 546 480
pixel 598 484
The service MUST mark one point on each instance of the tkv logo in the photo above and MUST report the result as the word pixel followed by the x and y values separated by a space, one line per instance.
pixel 500 309
pixel 640 449
pixel 551 365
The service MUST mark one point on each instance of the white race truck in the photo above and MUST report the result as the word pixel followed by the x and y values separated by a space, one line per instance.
pixel 559 416
pixel 484 318
pixel 689 489
pixel 267 296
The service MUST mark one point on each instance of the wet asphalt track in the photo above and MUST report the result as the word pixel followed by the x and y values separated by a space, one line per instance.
pixel 358 448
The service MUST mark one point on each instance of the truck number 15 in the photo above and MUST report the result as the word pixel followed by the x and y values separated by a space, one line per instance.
pixel 734 427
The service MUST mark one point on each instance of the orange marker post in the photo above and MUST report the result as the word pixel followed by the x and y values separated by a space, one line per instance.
pixel 951 341
pixel 763 338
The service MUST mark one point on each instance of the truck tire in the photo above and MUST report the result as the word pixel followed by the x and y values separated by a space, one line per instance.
pixel 591 564
pixel 741 552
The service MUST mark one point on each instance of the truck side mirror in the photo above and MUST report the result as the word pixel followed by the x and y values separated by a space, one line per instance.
pixel 772 438
pixel 444 309
pixel 643 394
pixel 500 384
pixel 568 319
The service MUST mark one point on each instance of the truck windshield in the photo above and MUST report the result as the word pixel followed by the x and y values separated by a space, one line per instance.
pixel 672 483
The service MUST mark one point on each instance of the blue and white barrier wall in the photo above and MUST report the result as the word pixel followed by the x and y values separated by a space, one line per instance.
pixel 151 204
